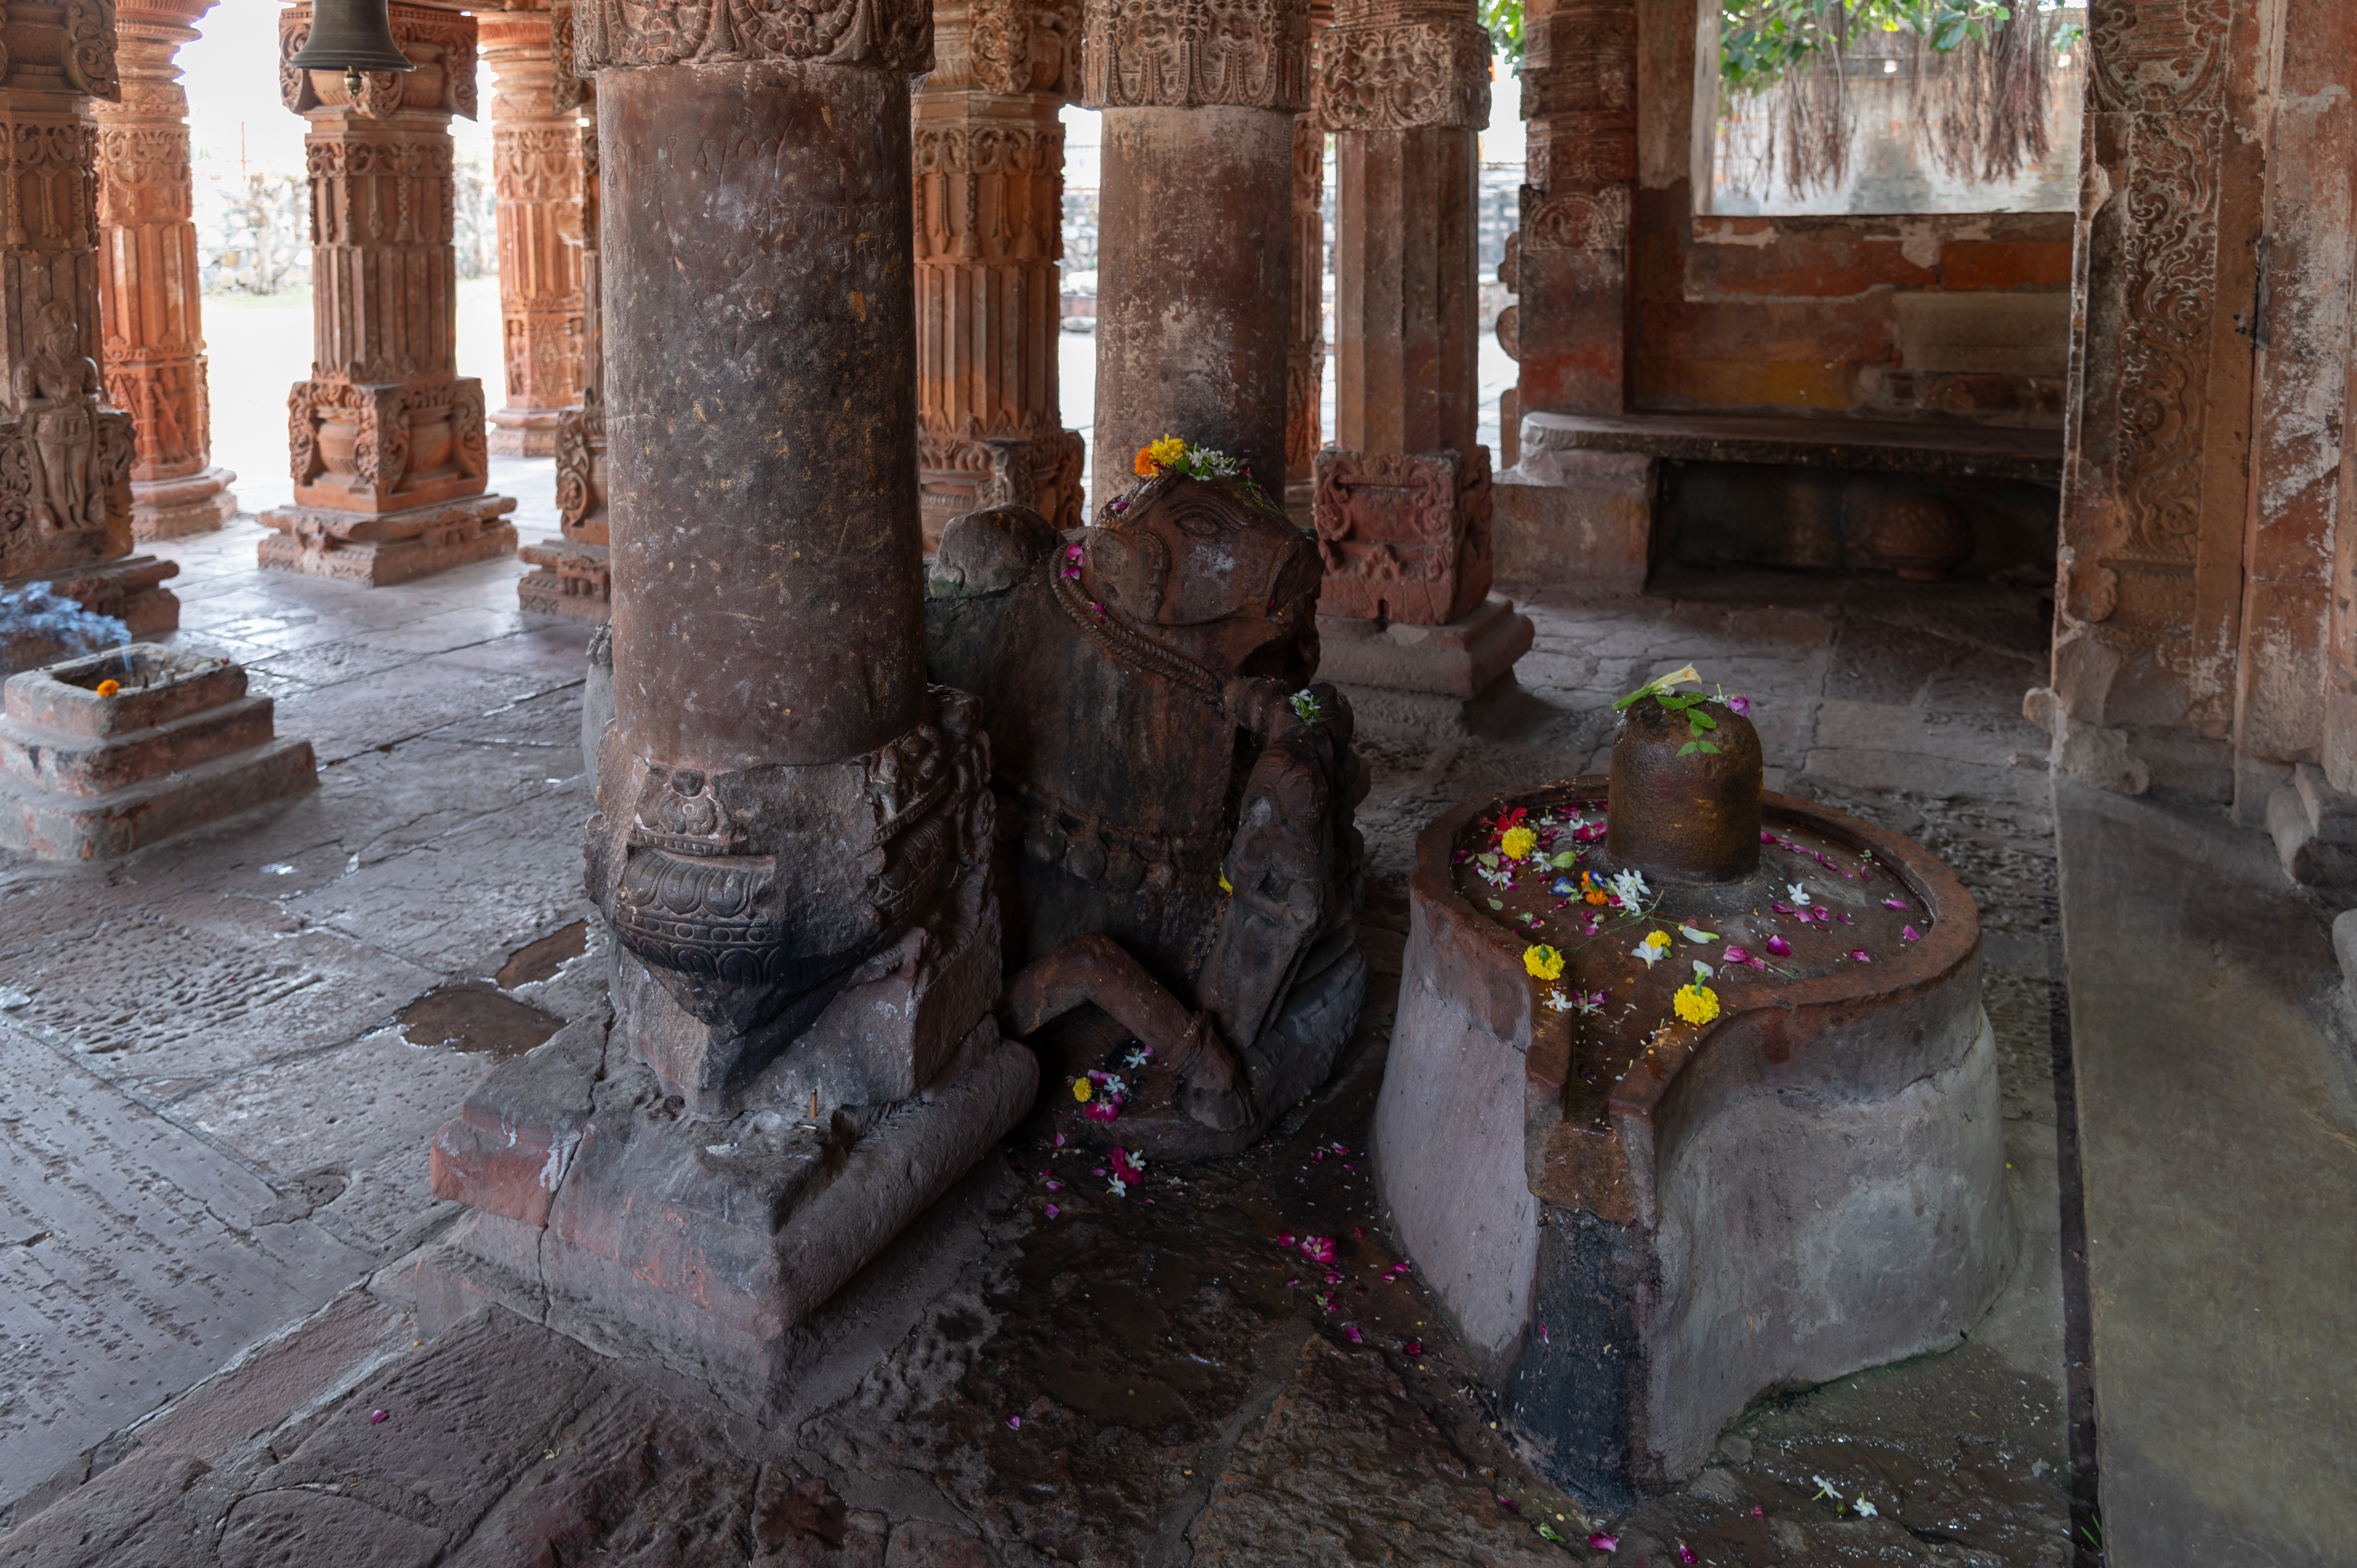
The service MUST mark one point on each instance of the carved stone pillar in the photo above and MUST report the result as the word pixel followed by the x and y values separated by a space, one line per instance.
pixel 65 457
pixel 1580 96
pixel 1198 108
pixel 1305 347
pixel 149 300
pixel 386 438
pixel 793 831
pixel 989 216
pixel 573 574
pixel 1401 499
pixel 536 170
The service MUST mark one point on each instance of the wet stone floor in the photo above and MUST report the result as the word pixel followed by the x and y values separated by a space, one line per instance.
pixel 221 1074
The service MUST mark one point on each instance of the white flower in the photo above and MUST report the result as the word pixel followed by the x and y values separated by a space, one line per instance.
pixel 1628 887
pixel 1796 893
pixel 1693 935
pixel 1865 1510
pixel 1120 1187
pixel 1136 1058
pixel 1558 1001
pixel 1113 1085
pixel 1649 953
pixel 1702 970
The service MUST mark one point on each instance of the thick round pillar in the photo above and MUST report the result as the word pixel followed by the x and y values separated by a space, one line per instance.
pixel 1195 220
pixel 149 297
pixel 761 376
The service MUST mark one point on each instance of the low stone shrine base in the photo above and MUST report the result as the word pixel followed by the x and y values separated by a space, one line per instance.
pixel 86 777
pixel 569 579
pixel 605 1213
pixel 131 590
pixel 383 548
pixel 174 508
pixel 1423 678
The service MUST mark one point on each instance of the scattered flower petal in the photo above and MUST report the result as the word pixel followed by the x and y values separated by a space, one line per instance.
pixel 1508 1504
pixel 1414 1348
pixel 1686 1553
pixel 1860 955
pixel 1052 1211
pixel 1796 893
pixel 1602 1542
pixel 1894 903
pixel 1350 1332
pixel 1014 1423
pixel 375 1416
pixel 1780 947
pixel 1910 934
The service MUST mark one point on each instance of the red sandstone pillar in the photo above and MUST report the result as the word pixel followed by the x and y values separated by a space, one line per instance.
pixel 149 297
pixel 387 441
pixel 1579 95
pixel 989 231
pixel 1305 349
pixel 1199 142
pixel 65 458
pixel 536 171
pixel 1401 499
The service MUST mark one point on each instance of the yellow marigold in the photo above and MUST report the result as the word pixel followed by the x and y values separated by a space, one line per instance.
pixel 1080 1091
pixel 1543 960
pixel 1518 842
pixel 1657 939
pixel 108 688
pixel 1697 1003
pixel 1154 457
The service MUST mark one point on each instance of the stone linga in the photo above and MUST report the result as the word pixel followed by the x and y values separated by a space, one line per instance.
pixel 1175 799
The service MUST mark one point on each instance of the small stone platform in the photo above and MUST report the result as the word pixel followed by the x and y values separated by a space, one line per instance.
pixel 569 578
pixel 174 508
pixel 380 548
pixel 87 774
pixel 1402 676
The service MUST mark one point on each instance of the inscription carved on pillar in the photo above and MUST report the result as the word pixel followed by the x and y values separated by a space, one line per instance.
pixel 989 161
pixel 536 175
pixel 65 455
pixel 149 297
pixel 386 441
pixel 1580 98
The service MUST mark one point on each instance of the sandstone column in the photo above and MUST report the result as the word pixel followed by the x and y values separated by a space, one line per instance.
pixel 149 297
pixel 386 439
pixel 536 170
pixel 65 458
pixel 1401 499
pixel 989 231
pixel 1200 110
pixel 572 575
pixel 1305 349
pixel 1580 96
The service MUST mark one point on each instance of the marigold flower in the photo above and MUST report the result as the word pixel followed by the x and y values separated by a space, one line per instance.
pixel 1157 455
pixel 108 688
pixel 1697 1003
pixel 1082 1090
pixel 1543 960
pixel 1518 842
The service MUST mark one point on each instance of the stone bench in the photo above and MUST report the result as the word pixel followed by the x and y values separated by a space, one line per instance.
pixel 1582 502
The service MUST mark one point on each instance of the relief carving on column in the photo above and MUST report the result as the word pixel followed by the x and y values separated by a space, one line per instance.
pixel 1015 46
pixel 895 34
pixel 1396 72
pixel 1181 54
pixel 1404 536
pixel 1304 341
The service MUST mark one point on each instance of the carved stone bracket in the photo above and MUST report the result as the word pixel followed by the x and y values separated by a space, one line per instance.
pixel 1393 75
pixel 1180 54
pixel 893 35
pixel 1403 537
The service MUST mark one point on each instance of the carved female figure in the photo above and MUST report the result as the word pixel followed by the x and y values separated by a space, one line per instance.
pixel 55 393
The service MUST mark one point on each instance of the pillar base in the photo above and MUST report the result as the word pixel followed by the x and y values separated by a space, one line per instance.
pixel 130 590
pixel 174 508
pixel 524 432
pixel 1425 679
pixel 571 579
pixel 87 778
pixel 388 547
pixel 609 1217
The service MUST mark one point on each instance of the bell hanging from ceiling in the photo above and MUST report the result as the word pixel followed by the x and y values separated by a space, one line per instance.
pixel 350 36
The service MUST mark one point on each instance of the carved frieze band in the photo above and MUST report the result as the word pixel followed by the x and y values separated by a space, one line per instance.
pixel 78 37
pixel 378 418
pixel 1180 54
pixel 1391 76
pixel 2157 56
pixel 1014 46
pixel 442 40
pixel 895 34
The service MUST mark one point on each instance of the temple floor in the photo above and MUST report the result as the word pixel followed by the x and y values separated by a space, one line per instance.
pixel 212 1204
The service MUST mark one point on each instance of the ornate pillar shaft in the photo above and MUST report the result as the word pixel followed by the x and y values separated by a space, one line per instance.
pixel 1199 158
pixel 149 294
pixel 386 439
pixel 989 231
pixel 1402 497
pixel 1305 349
pixel 1580 96
pixel 65 458
pixel 536 171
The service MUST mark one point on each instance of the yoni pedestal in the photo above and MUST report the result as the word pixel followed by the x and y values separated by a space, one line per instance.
pixel 1407 626
pixel 802 1059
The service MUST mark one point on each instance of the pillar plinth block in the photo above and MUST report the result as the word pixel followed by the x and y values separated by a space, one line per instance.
pixel 89 774
pixel 1404 536
pixel 379 548
pixel 173 508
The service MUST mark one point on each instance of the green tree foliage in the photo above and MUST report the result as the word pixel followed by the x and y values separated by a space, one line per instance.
pixel 1760 40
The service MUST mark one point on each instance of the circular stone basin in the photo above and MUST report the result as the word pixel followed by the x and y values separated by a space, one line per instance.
pixel 1639 1223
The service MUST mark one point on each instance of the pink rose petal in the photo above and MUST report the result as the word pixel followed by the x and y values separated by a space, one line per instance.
pixel 1735 955
pixel 1052 1211
pixel 1910 934
pixel 1414 1348
pixel 1350 1332
pixel 1602 1542
pixel 1767 837
pixel 1894 903
pixel 375 1416
pixel 1780 947
pixel 1860 955
pixel 1014 1423
pixel 1686 1553
pixel 1508 1504
pixel 1055 1187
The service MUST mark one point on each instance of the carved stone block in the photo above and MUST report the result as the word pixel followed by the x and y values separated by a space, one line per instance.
pixel 962 474
pixel 85 776
pixel 1403 537
pixel 575 580
pixel 379 548
pixel 386 447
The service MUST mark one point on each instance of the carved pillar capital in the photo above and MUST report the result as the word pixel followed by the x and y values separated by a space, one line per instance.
pixel 1395 72
pixel 884 35
pixel 1006 46
pixel 67 49
pixel 440 43
pixel 1185 54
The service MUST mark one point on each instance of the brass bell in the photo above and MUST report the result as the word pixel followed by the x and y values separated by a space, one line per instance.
pixel 350 36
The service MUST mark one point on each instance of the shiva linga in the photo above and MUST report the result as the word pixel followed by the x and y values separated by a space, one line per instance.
pixel 1691 1097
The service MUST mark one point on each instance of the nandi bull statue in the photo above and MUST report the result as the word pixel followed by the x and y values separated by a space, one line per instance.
pixel 1175 835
